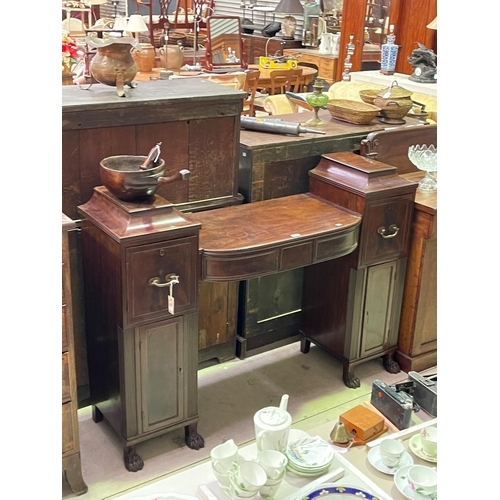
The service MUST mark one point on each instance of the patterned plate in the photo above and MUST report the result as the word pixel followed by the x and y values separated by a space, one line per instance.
pixel 339 492
pixel 310 453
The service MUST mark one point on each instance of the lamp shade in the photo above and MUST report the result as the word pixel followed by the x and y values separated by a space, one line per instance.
pixel 433 25
pixel 289 7
pixel 136 24
pixel 120 23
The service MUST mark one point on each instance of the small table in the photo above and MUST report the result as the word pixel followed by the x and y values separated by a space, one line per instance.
pixel 308 75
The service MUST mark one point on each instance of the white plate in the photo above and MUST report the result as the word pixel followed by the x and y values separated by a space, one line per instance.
pixel 401 482
pixel 376 460
pixel 303 473
pixel 339 492
pixel 295 434
pixel 310 452
pixel 416 447
pixel 165 496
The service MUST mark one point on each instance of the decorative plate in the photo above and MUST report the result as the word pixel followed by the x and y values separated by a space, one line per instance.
pixel 416 447
pixel 339 492
pixel 376 460
pixel 401 482
pixel 310 453
pixel 165 496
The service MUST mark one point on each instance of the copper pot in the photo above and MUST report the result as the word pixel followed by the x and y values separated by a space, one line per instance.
pixel 125 179
pixel 113 64
pixel 145 57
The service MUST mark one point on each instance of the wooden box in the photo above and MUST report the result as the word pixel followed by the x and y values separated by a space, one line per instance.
pixel 362 422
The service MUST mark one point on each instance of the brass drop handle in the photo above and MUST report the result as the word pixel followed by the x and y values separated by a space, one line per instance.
pixel 383 231
pixel 170 280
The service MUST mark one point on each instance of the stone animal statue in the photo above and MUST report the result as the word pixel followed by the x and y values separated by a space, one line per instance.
pixel 423 61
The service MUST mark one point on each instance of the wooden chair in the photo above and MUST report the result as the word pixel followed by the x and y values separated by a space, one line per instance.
pixel 251 83
pixel 282 80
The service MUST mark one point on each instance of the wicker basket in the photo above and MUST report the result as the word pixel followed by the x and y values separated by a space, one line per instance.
pixel 200 39
pixel 355 112
pixel 368 95
pixel 176 36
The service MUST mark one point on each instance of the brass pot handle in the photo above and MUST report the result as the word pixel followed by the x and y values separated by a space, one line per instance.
pixel 170 279
pixel 383 231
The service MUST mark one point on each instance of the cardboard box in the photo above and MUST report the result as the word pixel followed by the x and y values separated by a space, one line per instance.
pixel 362 422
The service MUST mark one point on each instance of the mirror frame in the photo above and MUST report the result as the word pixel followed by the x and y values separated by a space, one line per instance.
pixel 209 54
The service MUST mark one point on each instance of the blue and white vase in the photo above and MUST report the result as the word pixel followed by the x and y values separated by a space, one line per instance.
pixel 389 53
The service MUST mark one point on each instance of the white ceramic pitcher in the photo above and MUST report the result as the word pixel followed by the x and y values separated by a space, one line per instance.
pixel 335 44
pixel 326 44
pixel 272 426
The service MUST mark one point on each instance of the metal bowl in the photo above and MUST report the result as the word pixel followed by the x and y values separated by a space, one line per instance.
pixel 125 179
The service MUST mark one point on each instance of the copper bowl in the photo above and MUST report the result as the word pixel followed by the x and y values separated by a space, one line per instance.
pixel 123 177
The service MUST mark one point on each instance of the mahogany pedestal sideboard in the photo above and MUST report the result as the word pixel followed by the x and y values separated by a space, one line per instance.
pixel 71 461
pixel 356 317
pixel 272 166
pixel 417 344
pixel 140 265
pixel 197 122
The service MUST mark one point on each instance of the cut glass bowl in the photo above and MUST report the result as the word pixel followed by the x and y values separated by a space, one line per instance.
pixel 425 158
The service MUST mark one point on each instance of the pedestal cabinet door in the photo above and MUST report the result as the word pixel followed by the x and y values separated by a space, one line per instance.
pixel 161 350
pixel 150 268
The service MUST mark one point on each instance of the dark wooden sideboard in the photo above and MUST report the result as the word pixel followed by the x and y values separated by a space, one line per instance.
pixel 272 166
pixel 197 122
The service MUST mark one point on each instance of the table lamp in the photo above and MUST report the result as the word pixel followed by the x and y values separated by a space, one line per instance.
pixel 289 22
pixel 136 25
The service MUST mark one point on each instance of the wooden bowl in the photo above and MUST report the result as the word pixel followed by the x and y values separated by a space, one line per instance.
pixel 359 113
pixel 368 95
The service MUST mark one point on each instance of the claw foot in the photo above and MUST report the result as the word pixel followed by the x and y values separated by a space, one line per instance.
pixel 194 440
pixel 133 462
pixel 351 381
pixel 390 364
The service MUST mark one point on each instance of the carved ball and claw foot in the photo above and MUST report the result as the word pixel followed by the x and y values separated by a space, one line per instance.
pixel 350 380
pixel 390 364
pixel 133 462
pixel 194 440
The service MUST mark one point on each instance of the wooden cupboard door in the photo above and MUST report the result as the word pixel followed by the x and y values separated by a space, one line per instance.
pixel 147 302
pixel 66 387
pixel 68 431
pixel 161 351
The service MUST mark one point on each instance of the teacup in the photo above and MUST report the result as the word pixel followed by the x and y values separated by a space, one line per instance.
pixel 223 456
pixel 270 490
pixel 237 493
pixel 422 480
pixel 391 452
pixel 428 439
pixel 246 477
pixel 273 462
pixel 222 479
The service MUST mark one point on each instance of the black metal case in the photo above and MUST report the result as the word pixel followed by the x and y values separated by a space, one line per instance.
pixel 425 392
pixel 396 406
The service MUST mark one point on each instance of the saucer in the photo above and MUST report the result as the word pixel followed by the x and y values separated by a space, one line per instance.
pixel 416 447
pixel 376 460
pixel 401 482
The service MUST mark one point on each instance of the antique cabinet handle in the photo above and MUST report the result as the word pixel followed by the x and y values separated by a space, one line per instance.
pixel 170 279
pixel 382 231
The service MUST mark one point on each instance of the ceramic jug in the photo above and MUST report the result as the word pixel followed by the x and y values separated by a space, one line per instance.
pixel 172 57
pixel 335 44
pixel 326 44
pixel 272 427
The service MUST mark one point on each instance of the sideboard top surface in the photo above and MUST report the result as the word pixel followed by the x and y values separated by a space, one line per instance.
pixel 156 92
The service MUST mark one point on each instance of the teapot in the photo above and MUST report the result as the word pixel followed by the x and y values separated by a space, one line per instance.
pixel 272 426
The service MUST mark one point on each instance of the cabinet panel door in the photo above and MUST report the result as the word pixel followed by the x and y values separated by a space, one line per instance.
pixel 161 374
pixel 379 292
pixel 68 431
pixel 146 302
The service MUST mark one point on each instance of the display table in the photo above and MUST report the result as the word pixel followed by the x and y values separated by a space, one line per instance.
pixel 403 81
pixel 357 472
